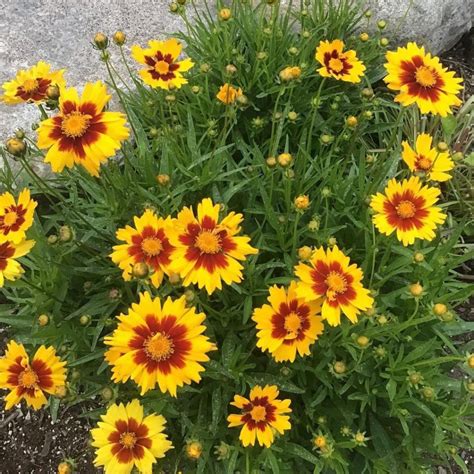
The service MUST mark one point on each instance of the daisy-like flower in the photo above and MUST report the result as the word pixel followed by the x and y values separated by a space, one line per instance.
pixel 146 243
pixel 208 251
pixel 332 279
pixel 162 67
pixel 228 94
pixel 16 217
pixel 82 133
pixel 337 63
pixel 125 439
pixel 30 381
pixel 288 324
pixel 409 209
pixel 30 85
pixel 10 269
pixel 157 344
pixel 422 79
pixel 261 416
pixel 429 161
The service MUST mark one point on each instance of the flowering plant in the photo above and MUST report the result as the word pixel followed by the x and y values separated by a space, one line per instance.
pixel 271 250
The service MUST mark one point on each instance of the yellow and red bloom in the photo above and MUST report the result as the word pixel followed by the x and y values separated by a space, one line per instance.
pixel 262 415
pixel 27 380
pixel 146 243
pixel 422 79
pixel 228 94
pixel 16 217
pixel 408 208
pixel 337 63
pixel 208 251
pixel 157 344
pixel 331 279
pixel 163 69
pixel 125 439
pixel 82 133
pixel 30 85
pixel 288 324
pixel 429 161
pixel 10 269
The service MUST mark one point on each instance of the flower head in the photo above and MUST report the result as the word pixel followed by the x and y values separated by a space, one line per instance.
pixel 228 94
pixel 82 133
pixel 287 325
pixel 30 85
pixel 331 279
pixel 208 251
pixel 16 217
pixel 157 344
pixel 290 73
pixel 426 160
pixel 262 415
pixel 30 380
pixel 339 64
pixel 408 208
pixel 146 243
pixel 10 269
pixel 420 78
pixel 162 66
pixel 125 439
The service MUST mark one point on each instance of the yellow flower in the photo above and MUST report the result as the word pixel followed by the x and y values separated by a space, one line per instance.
pixel 290 73
pixel 427 160
pixel 407 208
pixel 302 202
pixel 147 243
pixel 10 269
pixel 30 85
pixel 339 64
pixel 228 94
pixel 331 279
pixel 262 414
pixel 30 380
pixel 157 344
pixel 208 251
pixel 16 217
pixel 162 66
pixel 287 325
pixel 82 133
pixel 420 78
pixel 125 439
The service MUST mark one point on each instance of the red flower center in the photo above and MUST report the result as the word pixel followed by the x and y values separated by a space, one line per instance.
pixel 425 76
pixel 28 378
pixel 152 246
pixel 208 242
pixel 75 124
pixel 159 347
pixel 128 439
pixel 406 209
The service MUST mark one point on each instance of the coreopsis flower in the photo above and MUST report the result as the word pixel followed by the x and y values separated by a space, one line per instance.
pixel 208 251
pixel 82 133
pixel 228 94
pixel 424 159
pixel 337 63
pixel 162 66
pixel 420 78
pixel 288 324
pixel 30 380
pixel 126 438
pixel 146 243
pixel 30 85
pixel 157 344
pixel 331 279
pixel 262 415
pixel 10 268
pixel 16 216
pixel 408 208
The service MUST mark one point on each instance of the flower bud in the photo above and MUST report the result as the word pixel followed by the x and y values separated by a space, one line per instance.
pixel 363 341
pixel 84 320
pixel 416 289
pixel 442 147
pixel 313 225
pixel 222 451
pixel 271 161
pixel 368 13
pixel 174 278
pixel 359 438
pixel 181 2
pixel 61 391
pixel 370 159
pixel 163 179
pixel 384 42
pixel 242 100
pixel 470 361
pixel 53 92
pixel 293 51
pixel 326 139
pixel 351 121
pixel 205 68
pixel 320 441
pixel 262 55
pixel 364 37
pixel 64 468
pixel 230 69
pixel 440 309
pixel 458 156
pixel 381 24
pixel 368 114
pixel 285 159
pixel 418 257
pixel 367 93
pixel 101 41
pixel 140 270
pixel 415 378
pixel 65 233
pixel 225 14
pixel 292 116
pixel 428 393
pixel 119 38
pixel 75 374
pixel 339 367
pixel 15 146
pixel 174 7
pixel 43 319
pixel 332 241
pixel 115 294
pixel 325 192
pixel 107 394
pixel 193 450
pixel 302 202
pixel 189 295
pixel 380 352
pixel 195 89
pixel 304 253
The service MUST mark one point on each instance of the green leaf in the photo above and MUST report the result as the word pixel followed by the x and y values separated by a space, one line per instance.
pixel 301 452
pixel 391 388
pixel 449 125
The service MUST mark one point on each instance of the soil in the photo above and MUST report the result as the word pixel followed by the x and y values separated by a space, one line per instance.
pixel 31 443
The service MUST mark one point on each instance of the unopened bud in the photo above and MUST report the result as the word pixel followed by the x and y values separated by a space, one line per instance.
pixel 140 270
pixel 101 41
pixel 15 146
pixel 119 38
pixel 43 319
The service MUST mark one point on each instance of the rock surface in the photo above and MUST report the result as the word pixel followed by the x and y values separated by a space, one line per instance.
pixel 60 31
